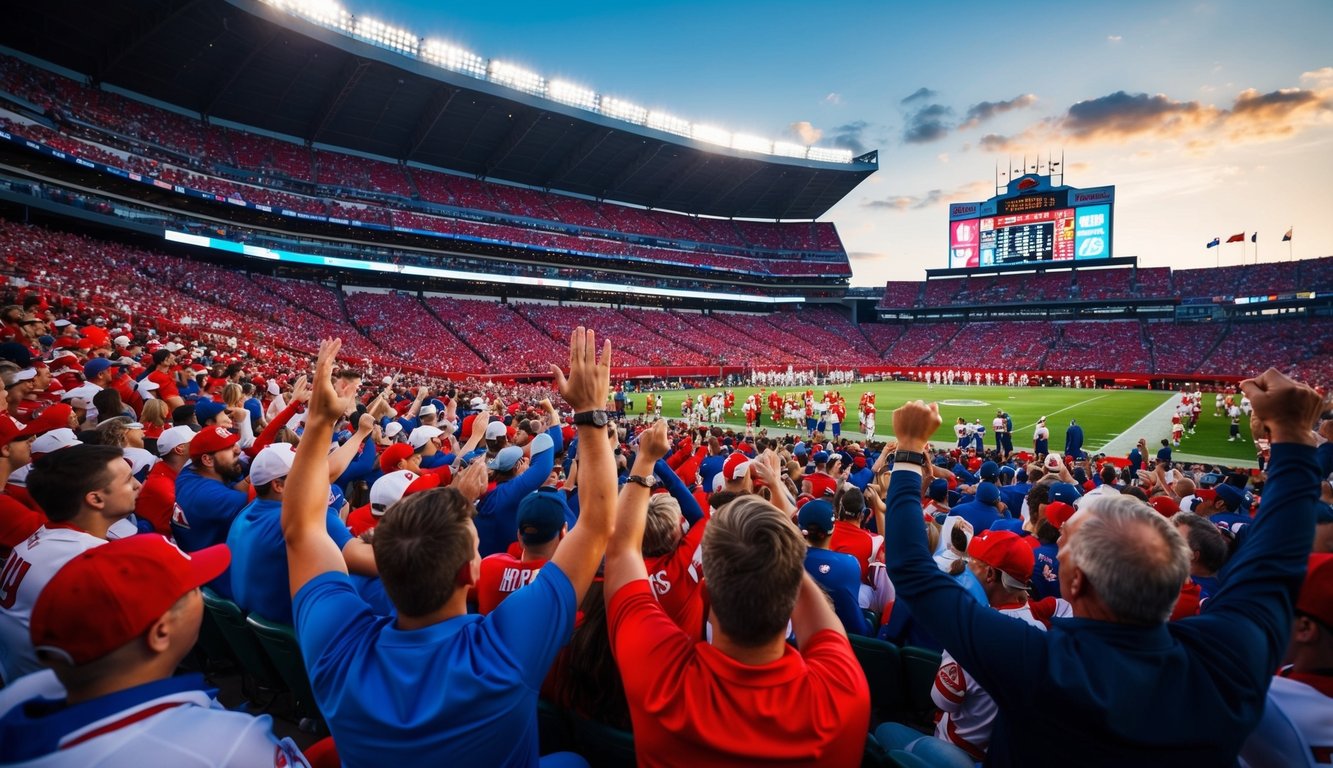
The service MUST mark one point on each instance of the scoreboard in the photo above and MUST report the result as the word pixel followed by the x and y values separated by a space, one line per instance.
pixel 1033 222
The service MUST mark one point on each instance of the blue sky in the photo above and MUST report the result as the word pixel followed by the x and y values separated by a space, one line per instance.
pixel 1211 118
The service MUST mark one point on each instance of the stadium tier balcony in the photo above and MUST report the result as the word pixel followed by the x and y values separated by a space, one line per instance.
pixel 1202 283
pixel 1316 274
pixel 1018 345
pixel 1270 278
pixel 1153 282
pixel 580 213
pixel 504 338
pixel 1111 345
pixel 941 293
pixel 918 342
pixel 398 322
pixel 882 335
pixel 830 331
pixel 720 231
pixel 263 155
pixel 1182 348
pixel 1105 284
pixel 1249 348
pixel 635 344
pixel 900 294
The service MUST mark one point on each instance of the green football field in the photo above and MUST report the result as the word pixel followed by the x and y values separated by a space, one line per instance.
pixel 1103 414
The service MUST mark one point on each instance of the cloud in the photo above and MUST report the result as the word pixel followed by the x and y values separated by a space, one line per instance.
pixel 1114 38
pixel 983 111
pixel 850 136
pixel 1122 116
pixel 920 94
pixel 1276 114
pixel 1318 79
pixel 927 124
pixel 930 198
pixel 805 133
pixel 833 98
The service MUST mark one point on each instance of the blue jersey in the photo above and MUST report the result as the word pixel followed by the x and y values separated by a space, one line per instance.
pixel 839 575
pixel 460 692
pixel 1046 572
pixel 258 570
pixel 202 516
pixel 979 515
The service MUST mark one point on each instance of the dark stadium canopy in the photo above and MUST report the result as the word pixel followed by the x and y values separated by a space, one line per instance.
pixel 244 61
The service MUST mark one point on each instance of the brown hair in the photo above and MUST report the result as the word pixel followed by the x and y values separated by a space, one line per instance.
pixel 755 557
pixel 155 412
pixel 421 545
pixel 585 677
pixel 661 530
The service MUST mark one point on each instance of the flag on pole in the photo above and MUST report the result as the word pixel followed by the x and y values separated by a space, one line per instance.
pixel 1237 238
pixel 1216 241
pixel 1287 237
pixel 1254 238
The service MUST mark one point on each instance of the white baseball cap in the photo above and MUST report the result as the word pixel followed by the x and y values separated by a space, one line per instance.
pixel 391 487
pixel 139 459
pixel 1054 461
pixel 428 410
pixel 55 440
pixel 273 462
pixel 393 429
pixel 422 435
pixel 171 438
pixel 121 341
pixel 496 429
pixel 146 388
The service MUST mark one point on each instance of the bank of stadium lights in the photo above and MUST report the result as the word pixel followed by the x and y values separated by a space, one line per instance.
pixel 332 15
pixel 574 95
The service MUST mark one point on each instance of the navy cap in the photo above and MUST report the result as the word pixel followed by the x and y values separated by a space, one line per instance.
pixel 207 410
pixel 989 471
pixel 939 489
pixel 1007 471
pixel 816 515
pixel 541 516
pixel 988 494
pixel 95 367
pixel 1230 495
pixel 1066 492
pixel 821 457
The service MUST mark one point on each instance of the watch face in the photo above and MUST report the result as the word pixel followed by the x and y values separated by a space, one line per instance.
pixel 599 418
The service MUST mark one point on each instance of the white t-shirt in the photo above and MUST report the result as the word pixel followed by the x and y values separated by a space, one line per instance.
pixel 1296 729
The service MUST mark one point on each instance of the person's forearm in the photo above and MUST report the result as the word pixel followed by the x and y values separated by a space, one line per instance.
pixel 342 457
pixel 271 429
pixel 597 480
pixel 360 558
pixel 306 492
pixel 689 507
pixel 813 613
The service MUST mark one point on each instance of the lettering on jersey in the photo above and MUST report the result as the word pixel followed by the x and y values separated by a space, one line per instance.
pixel 178 517
pixel 10 579
pixel 949 681
pixel 660 584
pixel 514 578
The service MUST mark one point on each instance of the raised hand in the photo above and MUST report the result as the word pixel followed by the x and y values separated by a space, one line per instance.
pixel 327 403
pixel 301 390
pixel 589 379
pixel 914 423
pixel 653 443
pixel 471 482
pixel 1286 408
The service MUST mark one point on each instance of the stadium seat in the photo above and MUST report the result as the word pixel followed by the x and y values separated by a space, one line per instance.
pixel 919 668
pixel 279 642
pixel 601 745
pixel 883 667
pixel 254 661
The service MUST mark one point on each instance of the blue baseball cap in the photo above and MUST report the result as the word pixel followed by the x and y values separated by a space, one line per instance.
pixel 95 367
pixel 821 457
pixel 541 516
pixel 506 459
pixel 939 489
pixel 1232 496
pixel 989 471
pixel 1065 492
pixel 988 494
pixel 816 515
pixel 207 410
pixel 1007 471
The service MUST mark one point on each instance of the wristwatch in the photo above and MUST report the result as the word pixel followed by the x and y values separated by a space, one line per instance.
pixel 591 419
pixel 647 482
pixel 911 457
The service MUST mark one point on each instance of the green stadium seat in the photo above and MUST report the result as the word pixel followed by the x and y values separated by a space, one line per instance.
pixel 229 620
pixel 602 745
pixel 279 642
pixel 884 671
pixel 919 668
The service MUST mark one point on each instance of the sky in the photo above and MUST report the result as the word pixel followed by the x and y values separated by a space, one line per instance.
pixel 1210 118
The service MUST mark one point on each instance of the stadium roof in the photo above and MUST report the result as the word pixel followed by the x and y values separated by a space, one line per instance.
pixel 245 61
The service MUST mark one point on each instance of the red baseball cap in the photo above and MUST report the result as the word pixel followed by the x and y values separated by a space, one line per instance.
pixel 212 440
pixel 1006 551
pixel 108 595
pixel 1165 505
pixel 1317 591
pixel 1058 513
pixel 394 454
pixel 735 467
pixel 55 416
pixel 11 431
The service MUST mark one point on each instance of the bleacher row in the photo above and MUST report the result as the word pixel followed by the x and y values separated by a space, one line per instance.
pixel 115 130
pixel 1120 283
pixel 273 317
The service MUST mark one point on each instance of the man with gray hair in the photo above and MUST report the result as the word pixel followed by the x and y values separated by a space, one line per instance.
pixel 1122 566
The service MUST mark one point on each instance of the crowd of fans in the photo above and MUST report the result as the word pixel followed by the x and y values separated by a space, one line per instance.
pixel 233 164
pixel 734 604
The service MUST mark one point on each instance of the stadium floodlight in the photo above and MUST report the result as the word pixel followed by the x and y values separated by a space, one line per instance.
pixel 566 92
pixel 385 36
pixel 662 121
pixel 326 13
pixel 442 54
pixel 788 149
pixel 516 77
pixel 623 110
pixel 830 155
pixel 751 144
pixel 711 135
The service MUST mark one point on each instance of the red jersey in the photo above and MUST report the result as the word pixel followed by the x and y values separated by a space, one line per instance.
pixel 157 497
pixel 691 704
pixel 851 539
pixel 17 522
pixel 166 385
pixel 822 484
pixel 502 574
pixel 677 581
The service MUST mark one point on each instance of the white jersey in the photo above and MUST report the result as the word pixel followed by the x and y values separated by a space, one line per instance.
pixel 968 712
pixel 998 424
pixel 29 567
pixel 184 728
pixel 960 431
pixel 1296 729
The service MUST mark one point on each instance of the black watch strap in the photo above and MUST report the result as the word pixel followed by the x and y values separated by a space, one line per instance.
pixel 910 457
pixel 647 482
pixel 591 418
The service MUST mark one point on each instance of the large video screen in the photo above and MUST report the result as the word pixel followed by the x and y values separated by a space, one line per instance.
pixel 1060 224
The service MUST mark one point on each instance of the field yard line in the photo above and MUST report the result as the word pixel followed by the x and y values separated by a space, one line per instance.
pixel 1157 423
pixel 1062 410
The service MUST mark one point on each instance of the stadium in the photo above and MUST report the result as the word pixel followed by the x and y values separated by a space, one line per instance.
pixel 238 180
